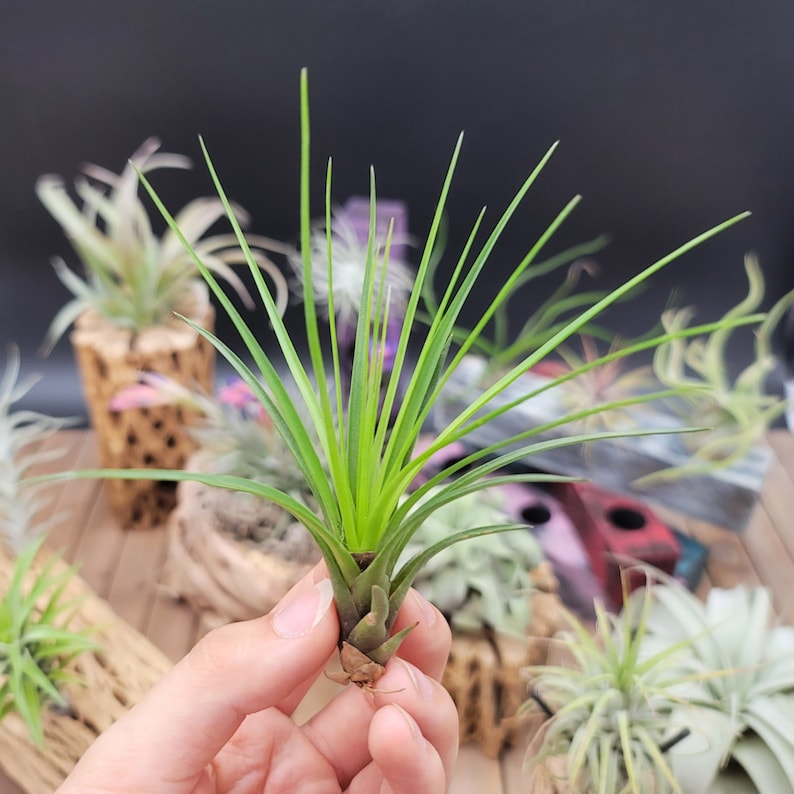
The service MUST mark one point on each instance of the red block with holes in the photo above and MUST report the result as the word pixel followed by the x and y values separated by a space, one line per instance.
pixel 614 527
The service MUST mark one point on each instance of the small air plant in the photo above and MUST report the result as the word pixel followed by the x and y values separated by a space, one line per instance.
pixel 21 432
pixel 134 279
pixel 739 700
pixel 485 583
pixel 503 347
pixel 357 457
pixel 611 708
pixel 607 383
pixel 737 412
pixel 36 643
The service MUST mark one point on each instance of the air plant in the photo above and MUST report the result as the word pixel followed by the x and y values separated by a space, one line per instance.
pixel 357 458
pixel 739 700
pixel 737 412
pixel 486 582
pixel 502 348
pixel 21 432
pixel 36 643
pixel 608 382
pixel 133 278
pixel 611 709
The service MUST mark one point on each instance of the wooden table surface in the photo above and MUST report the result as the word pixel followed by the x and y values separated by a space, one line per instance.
pixel 124 567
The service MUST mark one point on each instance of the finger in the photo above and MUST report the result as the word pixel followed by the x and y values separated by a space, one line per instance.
pixel 403 760
pixel 403 684
pixel 427 645
pixel 236 670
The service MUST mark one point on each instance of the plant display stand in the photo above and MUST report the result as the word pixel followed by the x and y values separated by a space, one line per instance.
pixel 616 465
pixel 220 573
pixel 115 677
pixel 110 359
pixel 484 676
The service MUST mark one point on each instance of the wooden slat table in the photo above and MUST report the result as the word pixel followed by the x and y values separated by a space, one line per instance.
pixel 124 567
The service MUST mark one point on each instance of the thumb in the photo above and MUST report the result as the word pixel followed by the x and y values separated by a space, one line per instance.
pixel 236 670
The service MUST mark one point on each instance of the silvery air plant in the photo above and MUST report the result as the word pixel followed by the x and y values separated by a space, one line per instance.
pixel 36 641
pixel 739 697
pixel 134 278
pixel 485 583
pixel 737 411
pixel 612 706
pixel 357 457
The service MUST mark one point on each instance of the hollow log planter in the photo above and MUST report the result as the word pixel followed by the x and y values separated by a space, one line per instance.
pixel 484 674
pixel 115 678
pixel 110 359
pixel 220 575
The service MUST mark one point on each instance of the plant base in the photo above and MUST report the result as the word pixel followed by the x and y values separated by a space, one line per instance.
pixel 485 679
pixel 219 573
pixel 116 677
pixel 109 360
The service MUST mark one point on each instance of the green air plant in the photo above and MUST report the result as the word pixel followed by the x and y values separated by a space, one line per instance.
pixel 357 457
pixel 502 348
pixel 610 707
pixel 133 278
pixel 36 644
pixel 740 699
pixel 485 582
pixel 737 411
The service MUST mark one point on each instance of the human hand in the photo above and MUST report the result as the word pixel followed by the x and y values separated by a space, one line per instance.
pixel 220 721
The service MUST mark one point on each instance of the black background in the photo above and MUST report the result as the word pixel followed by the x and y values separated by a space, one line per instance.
pixel 672 116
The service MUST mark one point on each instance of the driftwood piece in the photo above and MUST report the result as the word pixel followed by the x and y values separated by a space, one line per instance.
pixel 110 359
pixel 115 677
pixel 216 570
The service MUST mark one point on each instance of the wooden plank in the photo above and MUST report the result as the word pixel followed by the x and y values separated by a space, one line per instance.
pixel 132 590
pixel 100 546
pixel 474 773
pixel 173 626
pixel 76 500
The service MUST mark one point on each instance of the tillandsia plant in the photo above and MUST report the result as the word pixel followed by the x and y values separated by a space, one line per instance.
pixel 739 700
pixel 21 433
pixel 486 582
pixel 36 641
pixel 611 711
pixel 36 644
pixel 357 457
pixel 133 278
pixel 501 348
pixel 736 411
pixel 610 382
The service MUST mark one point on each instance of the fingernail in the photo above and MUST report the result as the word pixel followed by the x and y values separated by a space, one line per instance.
pixel 421 682
pixel 303 613
pixel 427 609
pixel 415 732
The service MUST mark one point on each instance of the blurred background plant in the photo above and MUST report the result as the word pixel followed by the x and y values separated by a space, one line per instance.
pixel 737 411
pixel 36 643
pixel 133 278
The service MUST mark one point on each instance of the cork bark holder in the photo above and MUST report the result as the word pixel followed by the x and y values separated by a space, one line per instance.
pixel 484 675
pixel 109 359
